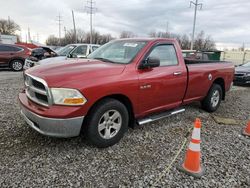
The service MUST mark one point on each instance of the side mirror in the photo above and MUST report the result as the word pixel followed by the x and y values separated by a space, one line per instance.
pixel 70 56
pixel 150 62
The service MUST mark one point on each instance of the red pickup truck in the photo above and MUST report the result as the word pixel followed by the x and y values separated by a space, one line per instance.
pixel 123 82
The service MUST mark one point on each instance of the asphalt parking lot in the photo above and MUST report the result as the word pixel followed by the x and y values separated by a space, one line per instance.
pixel 28 159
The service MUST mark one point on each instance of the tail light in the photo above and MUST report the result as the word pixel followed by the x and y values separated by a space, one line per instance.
pixel 29 52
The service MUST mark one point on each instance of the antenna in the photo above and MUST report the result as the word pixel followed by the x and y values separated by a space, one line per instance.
pixel 196 5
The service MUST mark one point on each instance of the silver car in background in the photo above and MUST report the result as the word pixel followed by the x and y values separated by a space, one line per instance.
pixel 69 51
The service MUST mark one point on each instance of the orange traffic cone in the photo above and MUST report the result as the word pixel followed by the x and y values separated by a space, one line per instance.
pixel 192 160
pixel 246 132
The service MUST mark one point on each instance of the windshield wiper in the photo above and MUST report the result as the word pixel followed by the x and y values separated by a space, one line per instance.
pixel 104 59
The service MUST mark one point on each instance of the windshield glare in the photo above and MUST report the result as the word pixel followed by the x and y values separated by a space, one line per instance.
pixel 246 64
pixel 65 50
pixel 118 51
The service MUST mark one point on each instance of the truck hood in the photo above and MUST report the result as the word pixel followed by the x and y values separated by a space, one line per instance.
pixel 69 71
pixel 56 59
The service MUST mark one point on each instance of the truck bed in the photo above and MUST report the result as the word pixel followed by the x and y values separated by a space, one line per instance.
pixel 202 73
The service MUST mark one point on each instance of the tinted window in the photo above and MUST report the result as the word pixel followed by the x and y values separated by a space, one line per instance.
pixel 15 49
pixel 166 54
pixel 4 48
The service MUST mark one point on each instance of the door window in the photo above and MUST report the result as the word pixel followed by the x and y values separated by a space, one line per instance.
pixel 94 48
pixel 4 48
pixel 80 50
pixel 166 53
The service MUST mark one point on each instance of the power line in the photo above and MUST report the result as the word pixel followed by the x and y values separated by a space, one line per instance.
pixel 59 19
pixel 91 10
pixel 196 4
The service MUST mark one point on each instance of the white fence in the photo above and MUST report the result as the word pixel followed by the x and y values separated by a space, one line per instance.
pixel 237 57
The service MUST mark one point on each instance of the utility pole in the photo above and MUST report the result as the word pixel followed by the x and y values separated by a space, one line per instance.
pixel 167 27
pixel 9 21
pixel 196 4
pixel 29 37
pixel 91 10
pixel 59 24
pixel 65 31
pixel 37 37
pixel 74 24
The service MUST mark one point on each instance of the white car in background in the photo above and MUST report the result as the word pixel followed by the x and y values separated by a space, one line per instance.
pixel 69 51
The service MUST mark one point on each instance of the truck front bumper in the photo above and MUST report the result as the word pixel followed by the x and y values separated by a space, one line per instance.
pixel 51 126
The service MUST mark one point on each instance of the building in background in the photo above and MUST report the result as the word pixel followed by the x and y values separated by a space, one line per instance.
pixel 8 39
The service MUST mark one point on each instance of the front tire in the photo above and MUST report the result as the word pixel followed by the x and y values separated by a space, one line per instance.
pixel 213 99
pixel 106 123
pixel 16 65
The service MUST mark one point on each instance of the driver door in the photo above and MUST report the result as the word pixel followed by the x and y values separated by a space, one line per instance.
pixel 162 87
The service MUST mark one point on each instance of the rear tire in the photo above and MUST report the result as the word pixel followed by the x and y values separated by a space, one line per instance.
pixel 106 123
pixel 213 99
pixel 16 65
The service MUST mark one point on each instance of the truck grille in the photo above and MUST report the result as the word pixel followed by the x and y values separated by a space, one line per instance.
pixel 37 90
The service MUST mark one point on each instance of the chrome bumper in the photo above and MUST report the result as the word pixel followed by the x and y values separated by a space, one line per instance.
pixel 51 126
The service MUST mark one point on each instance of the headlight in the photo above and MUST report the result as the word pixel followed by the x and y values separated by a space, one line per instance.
pixel 64 96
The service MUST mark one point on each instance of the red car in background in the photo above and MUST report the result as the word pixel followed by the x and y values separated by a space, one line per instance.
pixel 13 56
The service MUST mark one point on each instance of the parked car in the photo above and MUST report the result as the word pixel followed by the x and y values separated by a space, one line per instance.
pixel 43 52
pixel 242 74
pixel 69 51
pixel 122 82
pixel 13 56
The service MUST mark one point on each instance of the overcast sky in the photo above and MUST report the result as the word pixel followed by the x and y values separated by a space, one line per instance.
pixel 227 21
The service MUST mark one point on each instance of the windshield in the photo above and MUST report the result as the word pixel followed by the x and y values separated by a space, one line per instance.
pixel 65 50
pixel 118 51
pixel 246 64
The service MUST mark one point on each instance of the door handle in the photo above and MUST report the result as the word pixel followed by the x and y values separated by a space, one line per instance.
pixel 177 73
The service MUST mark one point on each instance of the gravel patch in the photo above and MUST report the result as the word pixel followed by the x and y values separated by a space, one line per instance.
pixel 28 159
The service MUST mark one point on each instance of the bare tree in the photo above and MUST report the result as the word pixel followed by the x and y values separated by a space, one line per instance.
pixel 52 41
pixel 185 42
pixel 160 34
pixel 8 27
pixel 82 37
pixel 127 34
pixel 202 42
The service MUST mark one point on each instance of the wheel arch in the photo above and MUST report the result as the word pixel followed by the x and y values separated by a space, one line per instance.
pixel 123 99
pixel 221 83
